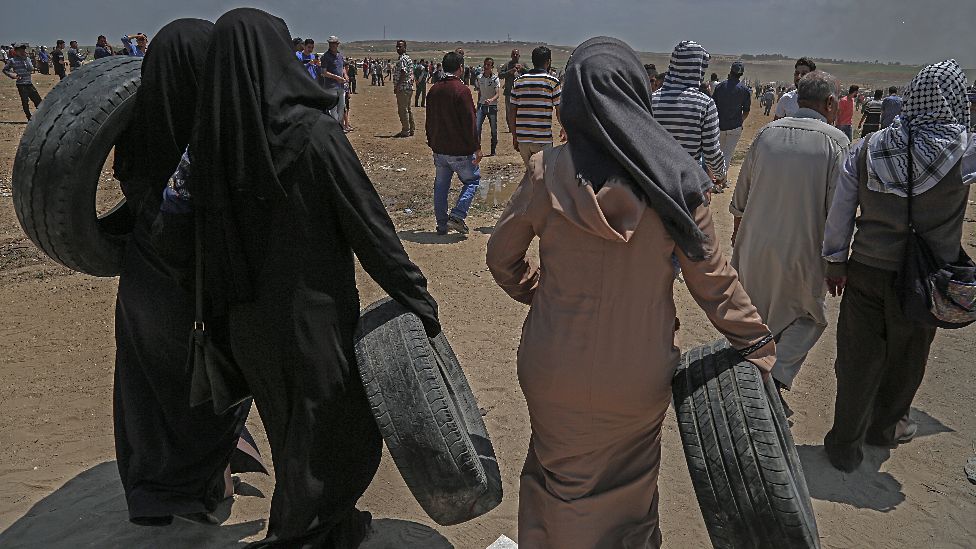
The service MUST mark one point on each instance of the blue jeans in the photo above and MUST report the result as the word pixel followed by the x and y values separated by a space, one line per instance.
pixel 848 131
pixel 491 111
pixel 470 175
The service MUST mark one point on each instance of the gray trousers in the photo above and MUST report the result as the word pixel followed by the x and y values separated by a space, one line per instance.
pixel 792 346
pixel 339 111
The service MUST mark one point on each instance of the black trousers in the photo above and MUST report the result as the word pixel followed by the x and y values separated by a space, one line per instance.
pixel 28 93
pixel 60 71
pixel 420 97
pixel 881 357
pixel 352 84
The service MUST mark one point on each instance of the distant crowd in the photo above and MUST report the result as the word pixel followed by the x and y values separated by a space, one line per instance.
pixel 20 61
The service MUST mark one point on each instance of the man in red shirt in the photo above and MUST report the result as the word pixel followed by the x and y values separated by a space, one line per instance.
pixel 451 135
pixel 845 112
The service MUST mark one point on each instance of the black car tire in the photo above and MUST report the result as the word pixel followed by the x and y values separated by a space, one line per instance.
pixel 59 161
pixel 427 415
pixel 740 453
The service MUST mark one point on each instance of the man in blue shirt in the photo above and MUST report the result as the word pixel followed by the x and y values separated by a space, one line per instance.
pixel 890 107
pixel 18 67
pixel 308 58
pixel 334 76
pixel 733 101
pixel 139 48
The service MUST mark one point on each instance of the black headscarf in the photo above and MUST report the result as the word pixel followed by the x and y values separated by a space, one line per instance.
pixel 151 147
pixel 606 110
pixel 254 121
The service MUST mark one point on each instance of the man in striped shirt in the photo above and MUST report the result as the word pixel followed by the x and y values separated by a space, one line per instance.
pixel 689 114
pixel 18 67
pixel 535 95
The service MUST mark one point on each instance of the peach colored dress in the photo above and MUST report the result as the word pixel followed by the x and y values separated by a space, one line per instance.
pixel 597 353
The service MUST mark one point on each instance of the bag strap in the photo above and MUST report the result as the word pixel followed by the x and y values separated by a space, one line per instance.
pixel 198 261
pixel 911 177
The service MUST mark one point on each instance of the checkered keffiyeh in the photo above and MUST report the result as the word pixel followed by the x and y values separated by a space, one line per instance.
pixel 937 112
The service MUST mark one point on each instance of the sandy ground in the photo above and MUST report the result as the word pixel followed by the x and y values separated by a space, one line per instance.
pixel 59 485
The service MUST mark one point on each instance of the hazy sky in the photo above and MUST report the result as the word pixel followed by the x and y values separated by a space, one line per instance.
pixel 913 31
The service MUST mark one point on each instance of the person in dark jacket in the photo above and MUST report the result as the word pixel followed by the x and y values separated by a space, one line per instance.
pixel 286 204
pixel 102 48
pixel 173 459
pixel 453 137
pixel 58 60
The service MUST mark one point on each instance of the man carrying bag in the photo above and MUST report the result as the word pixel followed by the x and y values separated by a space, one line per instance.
pixel 911 183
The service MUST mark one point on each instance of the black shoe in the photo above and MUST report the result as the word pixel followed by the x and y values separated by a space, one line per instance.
pixel 441 232
pixel 844 459
pixel 402 134
pixel 457 225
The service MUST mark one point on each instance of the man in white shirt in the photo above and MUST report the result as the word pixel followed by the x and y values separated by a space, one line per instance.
pixel 488 91
pixel 787 104
pixel 785 187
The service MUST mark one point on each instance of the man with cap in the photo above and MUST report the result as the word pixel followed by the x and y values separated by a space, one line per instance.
pixel 19 67
pixel 334 76
pixel 733 101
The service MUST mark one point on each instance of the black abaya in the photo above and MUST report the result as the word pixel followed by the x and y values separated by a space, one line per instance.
pixel 171 457
pixel 288 203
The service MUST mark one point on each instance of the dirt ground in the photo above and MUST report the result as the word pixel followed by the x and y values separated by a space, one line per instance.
pixel 58 482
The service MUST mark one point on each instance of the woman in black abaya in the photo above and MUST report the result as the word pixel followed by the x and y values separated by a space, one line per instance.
pixel 287 204
pixel 173 459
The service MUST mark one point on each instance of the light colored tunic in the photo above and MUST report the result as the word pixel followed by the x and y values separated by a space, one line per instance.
pixel 783 192
pixel 597 353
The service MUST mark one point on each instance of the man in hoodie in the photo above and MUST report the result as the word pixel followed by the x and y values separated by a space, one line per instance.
pixel 687 113
pixel 733 101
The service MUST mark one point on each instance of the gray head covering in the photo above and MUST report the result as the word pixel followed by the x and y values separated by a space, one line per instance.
pixel 606 109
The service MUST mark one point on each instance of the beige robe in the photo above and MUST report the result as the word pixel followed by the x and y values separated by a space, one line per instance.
pixel 596 357
pixel 784 188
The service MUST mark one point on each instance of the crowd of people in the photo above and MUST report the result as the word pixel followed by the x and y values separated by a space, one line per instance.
pixel 255 199
pixel 21 61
